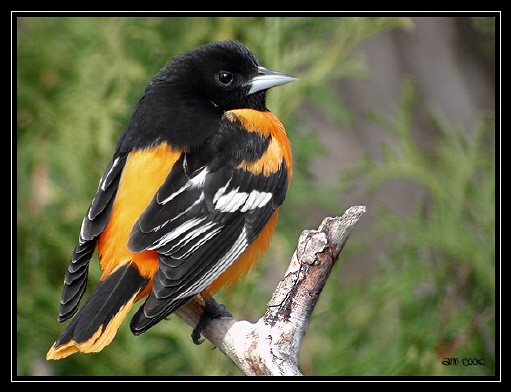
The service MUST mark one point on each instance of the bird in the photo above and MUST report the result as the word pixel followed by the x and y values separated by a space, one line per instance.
pixel 189 202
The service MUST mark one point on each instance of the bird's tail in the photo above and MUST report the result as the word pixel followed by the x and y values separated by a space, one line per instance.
pixel 96 323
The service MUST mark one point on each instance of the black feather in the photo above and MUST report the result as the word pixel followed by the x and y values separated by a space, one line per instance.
pixel 108 297
pixel 93 224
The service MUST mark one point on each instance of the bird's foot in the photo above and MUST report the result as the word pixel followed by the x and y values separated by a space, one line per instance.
pixel 212 310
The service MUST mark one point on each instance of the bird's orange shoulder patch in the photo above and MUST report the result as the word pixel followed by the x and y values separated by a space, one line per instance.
pixel 268 125
pixel 145 171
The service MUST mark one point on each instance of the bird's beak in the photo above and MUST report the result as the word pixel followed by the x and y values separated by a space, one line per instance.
pixel 266 79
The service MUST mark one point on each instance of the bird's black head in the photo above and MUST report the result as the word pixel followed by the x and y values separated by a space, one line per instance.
pixel 184 102
pixel 225 73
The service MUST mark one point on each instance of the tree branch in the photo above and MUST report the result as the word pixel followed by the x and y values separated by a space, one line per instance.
pixel 270 346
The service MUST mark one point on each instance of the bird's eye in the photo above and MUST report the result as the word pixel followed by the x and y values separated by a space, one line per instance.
pixel 224 78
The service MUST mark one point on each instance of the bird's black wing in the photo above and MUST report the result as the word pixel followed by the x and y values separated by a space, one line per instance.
pixel 200 221
pixel 93 225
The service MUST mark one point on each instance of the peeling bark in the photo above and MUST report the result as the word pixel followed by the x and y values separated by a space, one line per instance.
pixel 270 346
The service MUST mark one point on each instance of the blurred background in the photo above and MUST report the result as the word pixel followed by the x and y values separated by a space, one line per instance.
pixel 397 114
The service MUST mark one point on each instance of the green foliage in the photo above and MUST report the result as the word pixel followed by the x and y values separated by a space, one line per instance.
pixel 434 295
pixel 78 80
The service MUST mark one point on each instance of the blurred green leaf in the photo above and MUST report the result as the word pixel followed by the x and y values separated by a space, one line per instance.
pixel 434 296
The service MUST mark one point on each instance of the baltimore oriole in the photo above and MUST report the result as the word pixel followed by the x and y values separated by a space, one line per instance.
pixel 189 201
